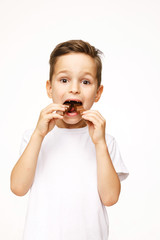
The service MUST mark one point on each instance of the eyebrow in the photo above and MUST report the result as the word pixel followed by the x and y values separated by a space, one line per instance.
pixel 66 71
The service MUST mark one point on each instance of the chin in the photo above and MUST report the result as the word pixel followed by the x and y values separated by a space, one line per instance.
pixel 71 120
pixel 77 122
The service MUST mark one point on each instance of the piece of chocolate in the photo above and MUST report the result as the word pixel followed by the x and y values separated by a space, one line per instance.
pixel 80 109
pixel 69 107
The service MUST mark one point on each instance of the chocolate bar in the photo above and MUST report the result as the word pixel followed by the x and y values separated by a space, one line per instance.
pixel 76 105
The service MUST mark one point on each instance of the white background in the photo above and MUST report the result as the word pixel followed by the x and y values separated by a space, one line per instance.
pixel 128 32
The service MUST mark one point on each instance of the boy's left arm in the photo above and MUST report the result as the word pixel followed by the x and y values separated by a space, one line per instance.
pixel 109 185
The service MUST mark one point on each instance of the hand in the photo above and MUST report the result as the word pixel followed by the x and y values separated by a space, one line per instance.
pixel 48 117
pixel 96 124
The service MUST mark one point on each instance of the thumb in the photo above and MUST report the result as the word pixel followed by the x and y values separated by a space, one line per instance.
pixel 88 123
pixel 51 124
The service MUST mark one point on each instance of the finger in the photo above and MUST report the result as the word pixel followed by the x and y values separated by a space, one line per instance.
pixel 92 119
pixel 53 104
pixel 54 108
pixel 54 115
pixel 89 123
pixel 59 112
pixel 96 116
pixel 96 112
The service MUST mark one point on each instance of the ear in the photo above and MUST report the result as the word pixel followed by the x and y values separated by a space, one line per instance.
pixel 99 93
pixel 49 89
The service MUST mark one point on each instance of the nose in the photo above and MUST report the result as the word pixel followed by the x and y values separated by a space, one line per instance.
pixel 74 87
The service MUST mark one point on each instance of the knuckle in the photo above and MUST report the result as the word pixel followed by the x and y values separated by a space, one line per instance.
pixel 101 124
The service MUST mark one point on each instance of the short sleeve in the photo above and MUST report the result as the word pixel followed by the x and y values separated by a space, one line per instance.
pixel 25 140
pixel 117 161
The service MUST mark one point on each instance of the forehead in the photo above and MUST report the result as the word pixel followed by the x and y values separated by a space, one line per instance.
pixel 76 63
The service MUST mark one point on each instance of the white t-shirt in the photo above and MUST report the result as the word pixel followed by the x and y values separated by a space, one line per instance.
pixel 64 203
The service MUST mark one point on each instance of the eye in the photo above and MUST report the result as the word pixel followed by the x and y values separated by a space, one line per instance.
pixel 86 82
pixel 63 80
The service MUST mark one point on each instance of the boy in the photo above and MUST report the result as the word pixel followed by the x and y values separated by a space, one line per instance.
pixel 72 167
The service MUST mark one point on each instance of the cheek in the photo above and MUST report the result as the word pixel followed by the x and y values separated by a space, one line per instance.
pixel 90 96
pixel 56 90
pixel 89 100
pixel 57 95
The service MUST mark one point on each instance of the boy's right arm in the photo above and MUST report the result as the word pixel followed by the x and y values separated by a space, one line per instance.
pixel 22 175
pixel 23 172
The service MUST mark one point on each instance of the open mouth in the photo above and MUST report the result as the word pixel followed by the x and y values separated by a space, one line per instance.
pixel 72 105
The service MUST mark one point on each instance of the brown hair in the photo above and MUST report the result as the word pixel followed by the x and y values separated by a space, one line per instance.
pixel 77 46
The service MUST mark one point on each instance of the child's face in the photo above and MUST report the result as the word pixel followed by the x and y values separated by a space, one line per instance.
pixel 74 78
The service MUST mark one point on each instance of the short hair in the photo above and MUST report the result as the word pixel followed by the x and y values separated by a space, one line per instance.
pixel 77 46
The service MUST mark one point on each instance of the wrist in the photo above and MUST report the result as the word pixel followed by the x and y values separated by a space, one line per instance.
pixel 37 135
pixel 101 144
